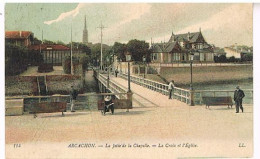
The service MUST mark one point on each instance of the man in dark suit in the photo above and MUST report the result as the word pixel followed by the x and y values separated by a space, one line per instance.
pixel 238 96
pixel 108 105
pixel 73 96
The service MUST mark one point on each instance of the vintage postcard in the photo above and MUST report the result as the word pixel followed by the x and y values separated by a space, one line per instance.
pixel 128 80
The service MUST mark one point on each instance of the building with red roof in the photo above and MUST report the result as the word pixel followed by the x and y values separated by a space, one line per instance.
pixel 51 53
pixel 22 38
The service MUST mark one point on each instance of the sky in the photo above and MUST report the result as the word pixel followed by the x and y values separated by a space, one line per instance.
pixel 221 24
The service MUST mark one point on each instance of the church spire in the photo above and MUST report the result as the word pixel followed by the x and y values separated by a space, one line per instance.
pixel 85 32
pixel 85 25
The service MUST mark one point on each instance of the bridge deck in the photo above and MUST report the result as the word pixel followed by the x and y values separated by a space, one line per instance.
pixel 146 96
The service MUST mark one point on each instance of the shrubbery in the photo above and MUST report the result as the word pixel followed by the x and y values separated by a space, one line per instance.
pixel 67 64
pixel 84 60
pixel 16 59
pixel 43 67
pixel 223 59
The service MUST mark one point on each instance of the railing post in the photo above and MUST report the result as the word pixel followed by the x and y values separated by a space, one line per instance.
pixel 192 97
pixel 130 97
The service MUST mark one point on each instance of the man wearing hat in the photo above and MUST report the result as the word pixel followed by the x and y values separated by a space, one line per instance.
pixel 108 105
pixel 238 96
pixel 73 96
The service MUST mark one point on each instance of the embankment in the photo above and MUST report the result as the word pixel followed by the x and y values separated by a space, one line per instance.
pixel 207 74
pixel 27 85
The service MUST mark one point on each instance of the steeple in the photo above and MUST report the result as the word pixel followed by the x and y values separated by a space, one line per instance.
pixel 85 32
pixel 85 26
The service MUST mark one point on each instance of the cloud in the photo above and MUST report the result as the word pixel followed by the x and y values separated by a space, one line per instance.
pixel 64 15
pixel 131 12
pixel 232 24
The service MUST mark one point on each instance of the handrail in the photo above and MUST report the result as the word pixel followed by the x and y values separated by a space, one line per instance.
pixel 245 90
pixel 45 80
pixel 61 95
pixel 38 84
pixel 181 94
pixel 160 87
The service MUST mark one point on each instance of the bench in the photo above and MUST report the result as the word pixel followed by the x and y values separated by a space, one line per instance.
pixel 217 101
pixel 14 107
pixel 118 104
pixel 49 107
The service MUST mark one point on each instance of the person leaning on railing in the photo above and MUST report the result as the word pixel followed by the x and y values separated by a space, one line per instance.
pixel 171 89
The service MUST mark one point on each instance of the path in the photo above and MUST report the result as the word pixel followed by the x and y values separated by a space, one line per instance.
pixel 146 96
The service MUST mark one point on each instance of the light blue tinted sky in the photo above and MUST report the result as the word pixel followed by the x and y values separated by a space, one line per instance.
pixel 221 24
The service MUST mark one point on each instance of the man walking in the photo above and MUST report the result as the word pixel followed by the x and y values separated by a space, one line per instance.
pixel 170 88
pixel 116 72
pixel 238 96
pixel 73 97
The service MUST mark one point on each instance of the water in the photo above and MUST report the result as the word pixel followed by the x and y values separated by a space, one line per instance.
pixel 86 103
pixel 245 84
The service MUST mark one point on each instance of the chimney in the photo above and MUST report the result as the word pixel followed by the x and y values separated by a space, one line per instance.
pixel 189 36
pixel 20 33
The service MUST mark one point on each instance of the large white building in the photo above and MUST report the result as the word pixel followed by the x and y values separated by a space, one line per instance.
pixel 236 51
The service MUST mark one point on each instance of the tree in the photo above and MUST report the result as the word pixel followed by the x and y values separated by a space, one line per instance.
pixel 247 57
pixel 67 64
pixel 96 52
pixel 138 49
pixel 16 59
pixel 84 60
pixel 48 42
pixel 220 59
pixel 60 42
pixel 119 50
pixel 36 41
pixel 232 59
pixel 80 46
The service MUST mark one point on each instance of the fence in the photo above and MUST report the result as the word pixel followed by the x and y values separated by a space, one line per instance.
pixel 198 94
pixel 194 64
pixel 181 94
pixel 112 86
pixel 87 101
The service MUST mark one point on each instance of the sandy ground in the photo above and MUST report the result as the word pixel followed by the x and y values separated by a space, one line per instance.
pixel 171 129
pixel 213 133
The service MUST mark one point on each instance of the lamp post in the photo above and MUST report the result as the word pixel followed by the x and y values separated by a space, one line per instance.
pixel 128 59
pixel 97 64
pixel 191 60
pixel 107 72
pixel 144 60
pixel 191 88
pixel 107 67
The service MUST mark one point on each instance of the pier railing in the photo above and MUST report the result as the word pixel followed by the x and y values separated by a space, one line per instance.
pixel 86 101
pixel 112 86
pixel 180 94
pixel 198 94
pixel 195 64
